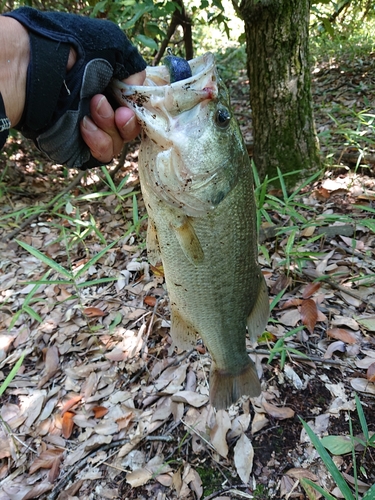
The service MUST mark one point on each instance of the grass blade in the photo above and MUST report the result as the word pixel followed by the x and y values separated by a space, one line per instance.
pixel 94 259
pixel 362 417
pixel 328 462
pixel 316 487
pixel 46 260
pixel 12 374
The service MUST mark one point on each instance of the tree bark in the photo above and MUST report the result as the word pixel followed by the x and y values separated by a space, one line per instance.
pixel 280 84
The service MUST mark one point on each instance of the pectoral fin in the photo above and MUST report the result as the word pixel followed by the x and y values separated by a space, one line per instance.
pixel 153 250
pixel 258 318
pixel 188 239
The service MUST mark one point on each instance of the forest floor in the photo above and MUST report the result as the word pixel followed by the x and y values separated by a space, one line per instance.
pixel 101 409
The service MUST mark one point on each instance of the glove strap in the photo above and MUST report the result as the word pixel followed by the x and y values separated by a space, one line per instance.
pixel 45 79
pixel 4 123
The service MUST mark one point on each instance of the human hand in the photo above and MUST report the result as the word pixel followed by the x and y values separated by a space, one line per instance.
pixel 107 129
pixel 70 60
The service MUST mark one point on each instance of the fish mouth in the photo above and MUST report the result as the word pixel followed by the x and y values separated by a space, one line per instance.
pixel 181 95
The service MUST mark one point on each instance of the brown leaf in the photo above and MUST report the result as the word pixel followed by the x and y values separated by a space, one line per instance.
pixel 67 424
pixel 309 314
pixel 149 300
pixel 371 373
pixel 70 403
pixel 299 472
pixel 279 412
pixel 100 411
pixel 55 470
pixel 45 460
pixel 310 289
pixel 93 312
pixel 291 303
pixel 342 334
pixel 322 194
pixel 52 365
pixel 282 282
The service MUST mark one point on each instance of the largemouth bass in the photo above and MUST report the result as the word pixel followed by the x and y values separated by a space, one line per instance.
pixel 197 185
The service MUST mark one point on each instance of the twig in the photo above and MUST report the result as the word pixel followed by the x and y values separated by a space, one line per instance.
pixel 28 221
pixel 229 489
pixel 315 359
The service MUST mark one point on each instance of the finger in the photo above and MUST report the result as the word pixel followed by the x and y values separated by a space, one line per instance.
pixel 136 79
pixel 103 115
pixel 126 123
pixel 98 141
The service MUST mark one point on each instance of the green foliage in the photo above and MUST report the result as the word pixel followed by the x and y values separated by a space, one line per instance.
pixel 340 17
pixel 339 445
pixel 284 349
pixel 146 22
pixel 11 375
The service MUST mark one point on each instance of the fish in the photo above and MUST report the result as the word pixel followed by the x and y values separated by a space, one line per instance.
pixel 197 185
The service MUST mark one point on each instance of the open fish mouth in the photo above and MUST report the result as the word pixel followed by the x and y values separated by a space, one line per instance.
pixel 177 96
pixel 192 169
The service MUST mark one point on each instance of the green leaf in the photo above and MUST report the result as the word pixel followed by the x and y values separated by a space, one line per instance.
pixel 109 179
pixel 329 463
pixel 12 374
pixel 307 482
pixel 30 311
pixel 94 259
pixel 337 445
pixel 370 494
pixel 46 260
pixel 147 42
pixel 362 417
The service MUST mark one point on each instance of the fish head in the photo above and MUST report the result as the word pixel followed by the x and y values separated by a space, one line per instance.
pixel 192 147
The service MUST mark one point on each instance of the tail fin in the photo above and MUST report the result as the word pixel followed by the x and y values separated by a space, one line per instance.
pixel 226 388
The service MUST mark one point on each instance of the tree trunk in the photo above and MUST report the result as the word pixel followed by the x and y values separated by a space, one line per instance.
pixel 280 93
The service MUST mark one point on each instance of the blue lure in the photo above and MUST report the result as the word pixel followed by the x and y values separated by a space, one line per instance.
pixel 179 68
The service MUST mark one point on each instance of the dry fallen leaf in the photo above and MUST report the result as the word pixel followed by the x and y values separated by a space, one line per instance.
pixel 93 312
pixel 67 424
pixel 309 314
pixel 100 411
pixel 45 460
pixel 370 374
pixel 279 412
pixel 342 334
pixel 243 458
pixel 192 398
pixel 310 289
pixel 219 431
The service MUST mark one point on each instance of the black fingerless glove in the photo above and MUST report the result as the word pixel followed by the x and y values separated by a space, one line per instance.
pixel 57 100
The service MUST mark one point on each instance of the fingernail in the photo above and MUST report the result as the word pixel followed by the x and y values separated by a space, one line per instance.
pixel 89 124
pixel 130 124
pixel 104 109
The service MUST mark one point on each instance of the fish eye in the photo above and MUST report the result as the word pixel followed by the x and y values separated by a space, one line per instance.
pixel 222 117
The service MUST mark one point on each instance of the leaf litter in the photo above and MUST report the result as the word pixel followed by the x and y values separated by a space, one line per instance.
pixel 102 408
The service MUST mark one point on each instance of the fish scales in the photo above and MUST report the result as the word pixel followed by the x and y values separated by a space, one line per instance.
pixel 198 190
